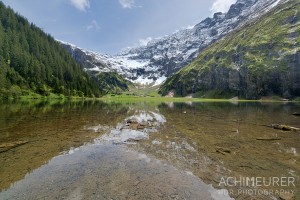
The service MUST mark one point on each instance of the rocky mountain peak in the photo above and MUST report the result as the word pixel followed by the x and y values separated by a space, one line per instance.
pixel 162 57
pixel 218 15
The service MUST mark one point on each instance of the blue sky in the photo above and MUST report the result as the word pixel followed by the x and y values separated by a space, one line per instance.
pixel 108 26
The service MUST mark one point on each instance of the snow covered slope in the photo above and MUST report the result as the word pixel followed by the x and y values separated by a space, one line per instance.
pixel 162 57
pixel 131 69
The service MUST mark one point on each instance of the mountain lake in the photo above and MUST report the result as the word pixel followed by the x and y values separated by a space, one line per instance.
pixel 149 150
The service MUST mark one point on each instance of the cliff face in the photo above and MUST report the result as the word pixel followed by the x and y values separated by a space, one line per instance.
pixel 259 59
pixel 87 60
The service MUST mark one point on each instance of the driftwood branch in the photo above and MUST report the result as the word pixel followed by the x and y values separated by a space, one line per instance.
pixel 282 127
pixel 268 139
pixel 8 146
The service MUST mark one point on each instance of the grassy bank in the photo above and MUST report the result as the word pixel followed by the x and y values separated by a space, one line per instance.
pixel 125 98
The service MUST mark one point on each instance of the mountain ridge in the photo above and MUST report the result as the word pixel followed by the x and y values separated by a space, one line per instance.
pixel 163 57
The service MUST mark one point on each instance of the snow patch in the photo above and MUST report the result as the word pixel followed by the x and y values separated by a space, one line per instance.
pixel 143 80
pixel 160 80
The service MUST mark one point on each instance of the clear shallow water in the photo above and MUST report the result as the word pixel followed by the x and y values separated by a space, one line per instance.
pixel 97 150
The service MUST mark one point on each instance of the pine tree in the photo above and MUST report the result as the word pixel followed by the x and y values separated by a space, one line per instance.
pixel 32 60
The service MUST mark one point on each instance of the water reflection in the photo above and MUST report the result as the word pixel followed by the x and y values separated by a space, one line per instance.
pixel 209 140
pixel 226 138
pixel 132 129
pixel 110 172
pixel 31 134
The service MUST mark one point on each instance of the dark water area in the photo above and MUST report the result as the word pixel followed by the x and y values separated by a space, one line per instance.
pixel 147 150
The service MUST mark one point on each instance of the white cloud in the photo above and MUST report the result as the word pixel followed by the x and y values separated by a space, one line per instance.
pixel 221 5
pixel 144 42
pixel 127 3
pixel 82 5
pixel 94 24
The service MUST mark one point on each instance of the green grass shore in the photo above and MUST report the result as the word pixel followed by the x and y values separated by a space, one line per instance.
pixel 184 99
pixel 133 98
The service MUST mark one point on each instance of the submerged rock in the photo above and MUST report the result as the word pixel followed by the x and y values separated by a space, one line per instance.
pixel 134 128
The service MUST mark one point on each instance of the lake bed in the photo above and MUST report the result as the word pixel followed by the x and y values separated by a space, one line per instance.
pixel 146 150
